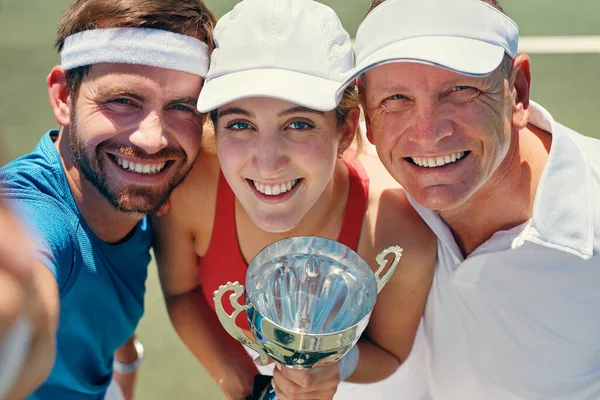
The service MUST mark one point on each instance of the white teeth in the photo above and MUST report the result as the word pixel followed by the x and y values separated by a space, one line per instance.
pixel 277 189
pixel 140 168
pixel 431 162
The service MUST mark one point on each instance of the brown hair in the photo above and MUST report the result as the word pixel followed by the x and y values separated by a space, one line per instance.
pixel 187 17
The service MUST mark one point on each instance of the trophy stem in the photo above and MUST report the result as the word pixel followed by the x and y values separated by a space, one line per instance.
pixel 228 321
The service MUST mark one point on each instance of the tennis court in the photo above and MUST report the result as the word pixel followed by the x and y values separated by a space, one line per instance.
pixel 568 85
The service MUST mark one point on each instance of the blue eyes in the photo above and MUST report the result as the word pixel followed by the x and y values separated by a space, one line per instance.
pixel 300 125
pixel 122 101
pixel 238 126
pixel 181 107
pixel 397 97
pixel 461 88
pixel 242 126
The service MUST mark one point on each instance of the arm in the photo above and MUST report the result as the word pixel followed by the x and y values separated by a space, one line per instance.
pixel 389 337
pixel 195 322
pixel 127 355
pixel 28 294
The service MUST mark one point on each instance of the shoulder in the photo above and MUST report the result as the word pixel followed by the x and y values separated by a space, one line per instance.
pixel 391 219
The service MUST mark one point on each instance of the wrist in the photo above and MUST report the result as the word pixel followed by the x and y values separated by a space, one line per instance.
pixel 126 363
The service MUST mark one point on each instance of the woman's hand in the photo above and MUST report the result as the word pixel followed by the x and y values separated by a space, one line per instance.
pixel 319 383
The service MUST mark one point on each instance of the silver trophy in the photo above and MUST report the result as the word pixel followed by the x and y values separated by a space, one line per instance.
pixel 308 300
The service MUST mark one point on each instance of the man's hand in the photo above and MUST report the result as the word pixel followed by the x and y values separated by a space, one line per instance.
pixel 28 294
pixel 319 383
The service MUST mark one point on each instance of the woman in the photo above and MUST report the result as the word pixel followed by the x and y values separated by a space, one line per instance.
pixel 283 169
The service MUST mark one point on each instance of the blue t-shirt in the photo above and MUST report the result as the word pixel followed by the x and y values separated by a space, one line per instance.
pixel 101 285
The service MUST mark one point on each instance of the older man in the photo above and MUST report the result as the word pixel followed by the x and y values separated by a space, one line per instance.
pixel 513 196
pixel 124 96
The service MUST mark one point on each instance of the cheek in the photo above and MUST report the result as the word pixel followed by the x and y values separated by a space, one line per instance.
pixel 231 154
pixel 93 129
pixel 187 133
pixel 387 131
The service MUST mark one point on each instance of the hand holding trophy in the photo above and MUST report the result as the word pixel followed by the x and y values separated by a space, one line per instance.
pixel 308 300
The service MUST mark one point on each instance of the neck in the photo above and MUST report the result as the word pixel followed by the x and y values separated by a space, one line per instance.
pixel 108 224
pixel 507 199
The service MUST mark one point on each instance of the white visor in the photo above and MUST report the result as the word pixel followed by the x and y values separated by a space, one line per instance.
pixel 466 36
pixel 142 46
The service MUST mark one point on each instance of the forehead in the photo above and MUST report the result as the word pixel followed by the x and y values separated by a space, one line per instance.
pixel 143 77
pixel 269 107
pixel 407 74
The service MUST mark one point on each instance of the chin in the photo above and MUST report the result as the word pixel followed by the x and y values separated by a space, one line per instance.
pixel 440 200
pixel 273 224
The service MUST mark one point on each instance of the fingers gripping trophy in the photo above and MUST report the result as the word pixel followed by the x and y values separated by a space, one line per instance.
pixel 308 300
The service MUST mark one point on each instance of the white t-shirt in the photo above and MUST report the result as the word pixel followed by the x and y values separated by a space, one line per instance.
pixel 519 318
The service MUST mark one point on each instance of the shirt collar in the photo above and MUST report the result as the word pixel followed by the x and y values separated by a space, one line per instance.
pixel 563 209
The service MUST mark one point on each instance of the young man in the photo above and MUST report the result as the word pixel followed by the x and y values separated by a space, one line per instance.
pixel 513 312
pixel 124 96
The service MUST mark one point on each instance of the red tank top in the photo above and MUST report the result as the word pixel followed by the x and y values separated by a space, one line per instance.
pixel 224 262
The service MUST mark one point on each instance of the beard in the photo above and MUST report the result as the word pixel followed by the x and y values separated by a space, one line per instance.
pixel 126 198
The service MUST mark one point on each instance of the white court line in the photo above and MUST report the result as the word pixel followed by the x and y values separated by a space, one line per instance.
pixel 559 44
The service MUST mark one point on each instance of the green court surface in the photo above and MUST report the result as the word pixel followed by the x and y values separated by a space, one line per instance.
pixel 568 85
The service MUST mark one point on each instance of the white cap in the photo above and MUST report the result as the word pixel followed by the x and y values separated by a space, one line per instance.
pixel 466 36
pixel 293 50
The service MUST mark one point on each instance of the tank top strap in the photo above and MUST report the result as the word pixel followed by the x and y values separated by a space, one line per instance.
pixel 224 233
pixel 356 206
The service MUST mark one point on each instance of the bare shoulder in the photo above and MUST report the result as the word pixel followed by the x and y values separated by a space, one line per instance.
pixel 391 219
pixel 193 202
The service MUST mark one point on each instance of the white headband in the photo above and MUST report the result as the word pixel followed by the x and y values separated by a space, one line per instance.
pixel 144 46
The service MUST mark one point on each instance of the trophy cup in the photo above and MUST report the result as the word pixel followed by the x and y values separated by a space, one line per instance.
pixel 308 300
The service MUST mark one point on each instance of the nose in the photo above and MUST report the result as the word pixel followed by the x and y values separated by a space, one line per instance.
pixel 430 126
pixel 269 155
pixel 150 135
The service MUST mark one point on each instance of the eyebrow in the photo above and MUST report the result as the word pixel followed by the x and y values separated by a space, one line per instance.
pixel 300 109
pixel 117 91
pixel 241 111
pixel 234 110
pixel 190 101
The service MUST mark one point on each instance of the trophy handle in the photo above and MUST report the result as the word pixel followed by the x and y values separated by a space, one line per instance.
pixel 381 281
pixel 228 321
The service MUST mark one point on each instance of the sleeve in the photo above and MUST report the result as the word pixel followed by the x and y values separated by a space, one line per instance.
pixel 48 227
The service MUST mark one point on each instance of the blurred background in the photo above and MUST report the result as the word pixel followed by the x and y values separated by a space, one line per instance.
pixel 562 37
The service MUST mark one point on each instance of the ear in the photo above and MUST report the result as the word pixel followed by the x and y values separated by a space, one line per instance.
pixel 59 94
pixel 350 128
pixel 520 86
